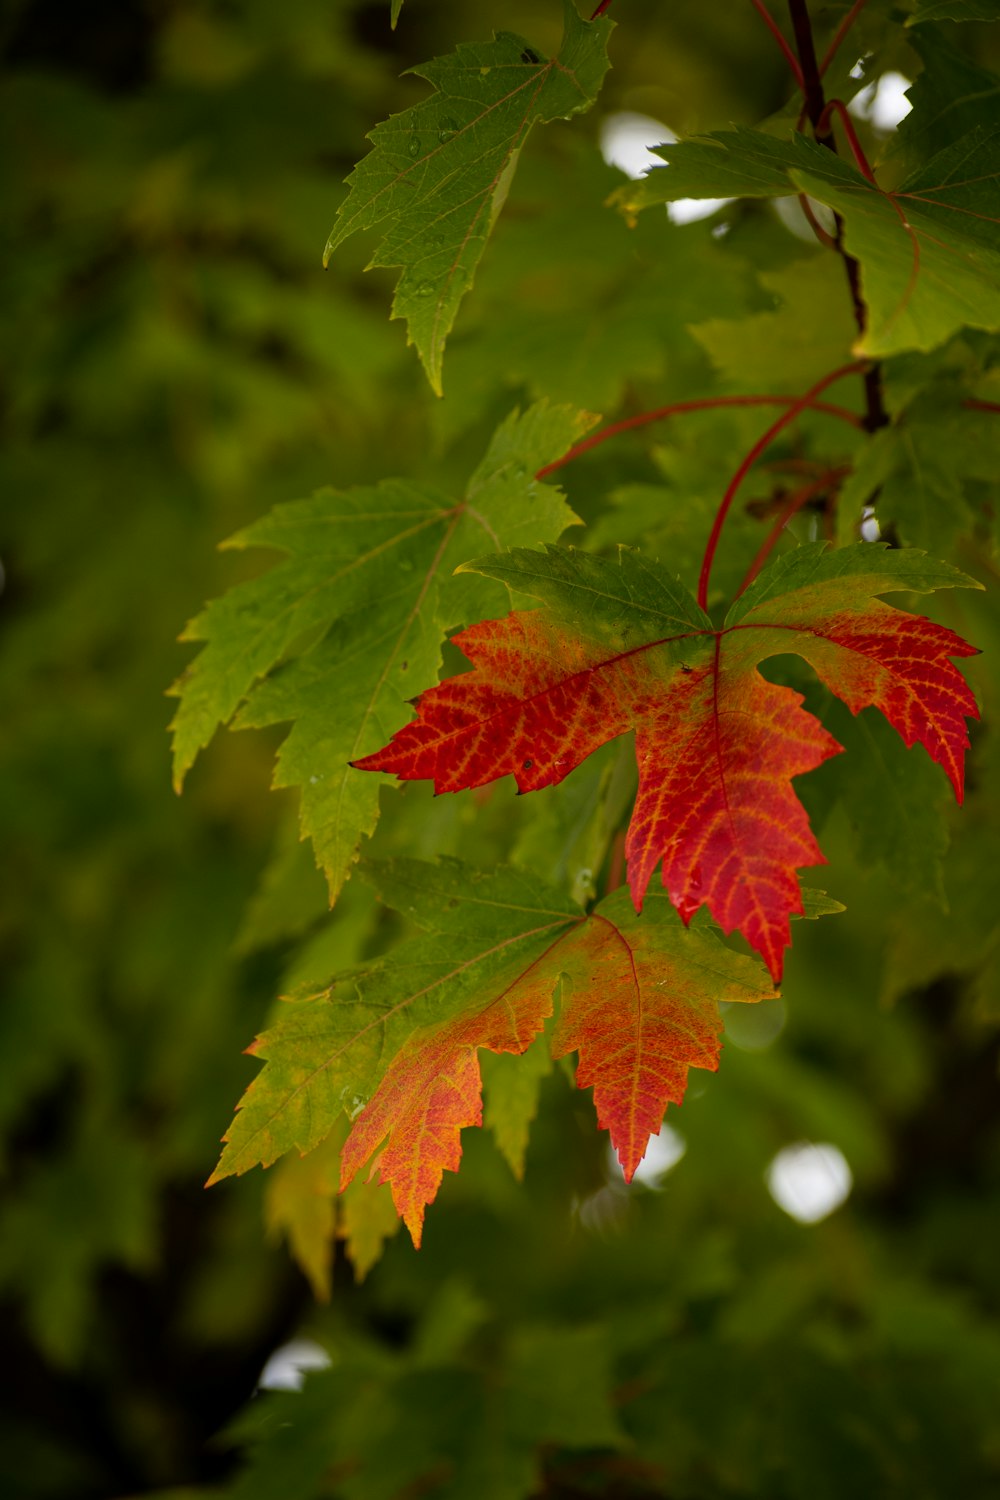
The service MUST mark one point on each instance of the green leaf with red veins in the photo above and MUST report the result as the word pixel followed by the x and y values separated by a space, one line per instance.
pixel 621 646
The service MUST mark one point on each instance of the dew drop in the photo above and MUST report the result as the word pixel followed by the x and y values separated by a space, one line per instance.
pixel 414 146
pixel 424 289
pixel 448 129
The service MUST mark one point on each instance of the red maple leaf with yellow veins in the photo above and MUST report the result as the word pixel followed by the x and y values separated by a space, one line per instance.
pixel 620 645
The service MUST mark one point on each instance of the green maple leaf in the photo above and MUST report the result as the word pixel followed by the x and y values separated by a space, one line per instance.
pixel 371 569
pixel 786 346
pixel 601 309
pixel 899 822
pixel 738 163
pixel 929 250
pixel 439 173
pixel 932 473
pixel 952 95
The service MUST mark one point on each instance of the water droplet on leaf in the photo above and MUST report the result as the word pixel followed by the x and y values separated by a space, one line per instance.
pixel 424 289
pixel 414 146
pixel 448 129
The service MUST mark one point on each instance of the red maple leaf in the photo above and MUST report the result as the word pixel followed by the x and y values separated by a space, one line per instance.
pixel 639 1006
pixel 717 744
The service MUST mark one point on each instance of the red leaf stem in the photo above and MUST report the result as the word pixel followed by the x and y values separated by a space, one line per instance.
pixel 852 139
pixel 840 33
pixel 616 864
pixel 775 31
pixel 758 448
pixel 604 5
pixel 795 502
pixel 814 224
pixel 706 403
pixel 974 404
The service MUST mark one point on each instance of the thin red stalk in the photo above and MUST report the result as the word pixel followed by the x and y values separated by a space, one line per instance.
pixel 750 459
pixel 974 404
pixel 600 9
pixel 676 408
pixel 775 31
pixel 852 139
pixel 795 503
pixel 840 33
pixel 616 865
pixel 814 224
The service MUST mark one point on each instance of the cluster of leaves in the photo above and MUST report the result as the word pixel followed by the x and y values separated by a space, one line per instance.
pixel 374 580
pixel 183 364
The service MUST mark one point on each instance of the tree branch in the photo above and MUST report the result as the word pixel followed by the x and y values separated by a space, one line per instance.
pixel 815 108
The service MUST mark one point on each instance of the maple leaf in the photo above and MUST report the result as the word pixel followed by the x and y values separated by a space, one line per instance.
pixel 400 1041
pixel 639 1004
pixel 370 571
pixel 438 174
pixel 929 249
pixel 621 645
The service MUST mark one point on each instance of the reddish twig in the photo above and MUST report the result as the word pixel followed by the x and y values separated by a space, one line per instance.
pixel 616 864
pixel 840 33
pixel 814 224
pixel 795 502
pixel 974 404
pixel 775 31
pixel 823 128
pixel 600 9
pixel 856 367
pixel 676 408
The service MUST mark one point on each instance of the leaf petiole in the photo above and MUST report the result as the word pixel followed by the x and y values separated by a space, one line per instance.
pixel 792 506
pixel 762 443
pixel 677 408
pixel 823 128
pixel 773 28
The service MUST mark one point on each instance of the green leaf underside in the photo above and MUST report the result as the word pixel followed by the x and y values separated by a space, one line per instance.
pixel 438 174
pixel 621 646
pixel 372 568
pixel 929 252
pixel 395 1045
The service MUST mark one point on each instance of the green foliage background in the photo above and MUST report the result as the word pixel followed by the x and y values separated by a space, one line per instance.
pixel 177 362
